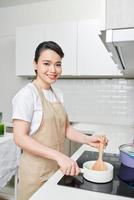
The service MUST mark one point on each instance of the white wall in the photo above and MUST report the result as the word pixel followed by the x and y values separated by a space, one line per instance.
pixel 47 11
pixel 36 13
pixel 9 83
pixel 101 101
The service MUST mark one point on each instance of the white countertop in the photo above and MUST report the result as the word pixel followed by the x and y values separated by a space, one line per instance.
pixel 50 190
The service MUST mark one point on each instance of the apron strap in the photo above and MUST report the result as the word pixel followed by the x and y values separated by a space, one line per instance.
pixel 42 102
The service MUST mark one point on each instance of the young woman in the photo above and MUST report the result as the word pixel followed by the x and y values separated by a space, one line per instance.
pixel 41 124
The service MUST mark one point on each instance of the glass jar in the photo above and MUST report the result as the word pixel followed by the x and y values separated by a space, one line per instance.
pixel 2 126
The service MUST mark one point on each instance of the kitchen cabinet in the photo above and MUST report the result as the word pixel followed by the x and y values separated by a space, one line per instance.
pixel 74 146
pixel 27 39
pixel 118 33
pixel 119 14
pixel 67 147
pixel 93 58
pixel 85 54
pixel 70 147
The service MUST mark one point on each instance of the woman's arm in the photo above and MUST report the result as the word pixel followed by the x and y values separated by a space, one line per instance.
pixel 24 141
pixel 76 136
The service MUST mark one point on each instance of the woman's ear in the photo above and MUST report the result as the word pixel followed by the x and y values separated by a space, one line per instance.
pixel 35 65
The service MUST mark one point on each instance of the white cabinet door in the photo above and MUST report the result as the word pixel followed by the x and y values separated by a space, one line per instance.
pixel 27 39
pixel 119 14
pixel 65 34
pixel 93 58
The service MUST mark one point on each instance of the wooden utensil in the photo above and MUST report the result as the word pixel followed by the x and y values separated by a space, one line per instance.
pixel 99 164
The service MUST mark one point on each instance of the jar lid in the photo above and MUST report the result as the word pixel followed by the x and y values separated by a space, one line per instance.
pixel 128 148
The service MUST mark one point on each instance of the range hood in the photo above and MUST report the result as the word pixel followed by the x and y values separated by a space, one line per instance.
pixel 120 42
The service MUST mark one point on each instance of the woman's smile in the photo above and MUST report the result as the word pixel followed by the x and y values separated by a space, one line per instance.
pixel 52 76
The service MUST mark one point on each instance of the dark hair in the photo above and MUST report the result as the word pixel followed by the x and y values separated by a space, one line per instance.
pixel 48 45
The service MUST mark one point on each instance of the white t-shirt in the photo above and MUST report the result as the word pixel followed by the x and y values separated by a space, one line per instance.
pixel 27 105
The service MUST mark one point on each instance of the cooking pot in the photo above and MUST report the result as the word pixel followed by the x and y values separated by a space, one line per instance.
pixel 127 154
pixel 126 173
pixel 97 176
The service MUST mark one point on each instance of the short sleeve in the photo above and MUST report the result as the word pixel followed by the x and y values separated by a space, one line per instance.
pixel 59 94
pixel 23 105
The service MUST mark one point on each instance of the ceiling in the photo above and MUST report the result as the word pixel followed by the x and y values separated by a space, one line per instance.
pixel 7 3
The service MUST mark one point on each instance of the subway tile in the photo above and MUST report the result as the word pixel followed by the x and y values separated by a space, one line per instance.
pixel 99 100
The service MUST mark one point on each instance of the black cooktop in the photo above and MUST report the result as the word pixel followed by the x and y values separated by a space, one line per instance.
pixel 120 185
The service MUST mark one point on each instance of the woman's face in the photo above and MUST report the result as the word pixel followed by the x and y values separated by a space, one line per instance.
pixel 48 68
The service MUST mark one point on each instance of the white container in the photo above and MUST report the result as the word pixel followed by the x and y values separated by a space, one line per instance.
pixel 97 176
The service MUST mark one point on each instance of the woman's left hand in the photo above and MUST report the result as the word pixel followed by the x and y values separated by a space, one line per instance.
pixel 95 140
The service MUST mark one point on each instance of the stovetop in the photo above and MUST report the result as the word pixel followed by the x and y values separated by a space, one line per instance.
pixel 115 187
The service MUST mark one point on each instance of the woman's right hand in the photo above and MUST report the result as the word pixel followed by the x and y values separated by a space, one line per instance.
pixel 67 165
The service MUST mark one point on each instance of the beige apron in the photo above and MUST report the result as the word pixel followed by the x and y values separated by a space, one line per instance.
pixel 35 170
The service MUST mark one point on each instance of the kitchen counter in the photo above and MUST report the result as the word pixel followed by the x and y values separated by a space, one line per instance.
pixel 50 190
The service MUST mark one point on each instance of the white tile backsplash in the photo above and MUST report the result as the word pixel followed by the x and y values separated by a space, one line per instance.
pixel 108 101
